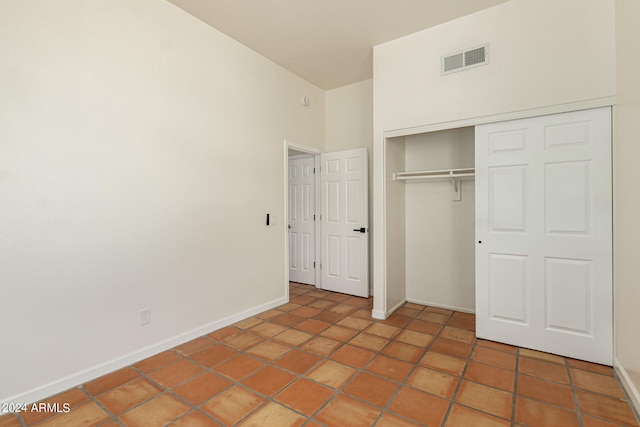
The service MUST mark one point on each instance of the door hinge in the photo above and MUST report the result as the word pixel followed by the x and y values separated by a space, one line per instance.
pixel 314 264
pixel 314 171
pixel 314 217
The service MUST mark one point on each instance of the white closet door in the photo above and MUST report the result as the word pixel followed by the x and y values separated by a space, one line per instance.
pixel 345 232
pixel 544 234
pixel 301 221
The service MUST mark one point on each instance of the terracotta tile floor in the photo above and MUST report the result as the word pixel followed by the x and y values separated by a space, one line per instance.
pixel 321 360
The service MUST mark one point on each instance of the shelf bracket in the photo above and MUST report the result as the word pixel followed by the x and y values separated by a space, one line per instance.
pixel 456 188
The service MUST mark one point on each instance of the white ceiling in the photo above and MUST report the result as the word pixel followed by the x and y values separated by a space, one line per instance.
pixel 326 42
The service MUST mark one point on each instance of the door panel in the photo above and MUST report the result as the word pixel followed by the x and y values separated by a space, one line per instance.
pixel 508 287
pixel 345 250
pixel 301 221
pixel 508 196
pixel 568 280
pixel 333 269
pixel 567 197
pixel 544 232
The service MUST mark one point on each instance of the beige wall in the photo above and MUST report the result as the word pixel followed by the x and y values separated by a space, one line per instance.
pixel 626 212
pixel 567 64
pixel 349 117
pixel 569 61
pixel 140 151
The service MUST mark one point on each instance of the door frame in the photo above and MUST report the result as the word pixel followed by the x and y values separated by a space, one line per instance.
pixel 315 153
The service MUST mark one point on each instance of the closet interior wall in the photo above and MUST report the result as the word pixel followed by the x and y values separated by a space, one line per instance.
pixel 440 232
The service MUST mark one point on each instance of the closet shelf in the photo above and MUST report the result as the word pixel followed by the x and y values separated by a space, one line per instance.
pixel 453 174
pixel 434 174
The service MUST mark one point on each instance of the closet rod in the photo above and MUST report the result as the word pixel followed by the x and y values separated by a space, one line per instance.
pixel 442 176
pixel 434 174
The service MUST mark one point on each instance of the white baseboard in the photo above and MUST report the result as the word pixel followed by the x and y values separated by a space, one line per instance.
pixel 629 386
pixel 378 314
pixel 445 306
pixel 97 371
pixel 394 308
pixel 381 315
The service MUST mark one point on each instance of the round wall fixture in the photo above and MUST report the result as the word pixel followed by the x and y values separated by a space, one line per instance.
pixel 305 101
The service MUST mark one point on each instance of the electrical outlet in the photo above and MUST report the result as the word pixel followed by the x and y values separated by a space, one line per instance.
pixel 145 316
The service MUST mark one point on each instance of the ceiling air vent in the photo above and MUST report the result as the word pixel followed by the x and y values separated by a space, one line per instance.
pixel 466 59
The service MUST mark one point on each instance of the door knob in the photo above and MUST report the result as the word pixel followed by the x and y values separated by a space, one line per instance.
pixel 361 230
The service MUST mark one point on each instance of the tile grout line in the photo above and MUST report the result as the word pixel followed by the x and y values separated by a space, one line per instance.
pixel 323 359
pixel 571 387
pixel 271 363
pixel 238 382
pixel 21 421
pixel 575 389
pixel 97 402
pixel 403 383
pixel 362 369
pixel 460 380
pixel 337 392
pixel 206 369
pixel 417 364
pixel 514 400
pixel 573 392
pixel 170 392
pixel 634 411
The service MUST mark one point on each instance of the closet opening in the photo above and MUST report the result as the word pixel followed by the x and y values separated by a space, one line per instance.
pixel 430 228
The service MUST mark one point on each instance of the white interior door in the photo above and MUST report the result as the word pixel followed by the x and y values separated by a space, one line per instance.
pixel 544 234
pixel 301 220
pixel 345 225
